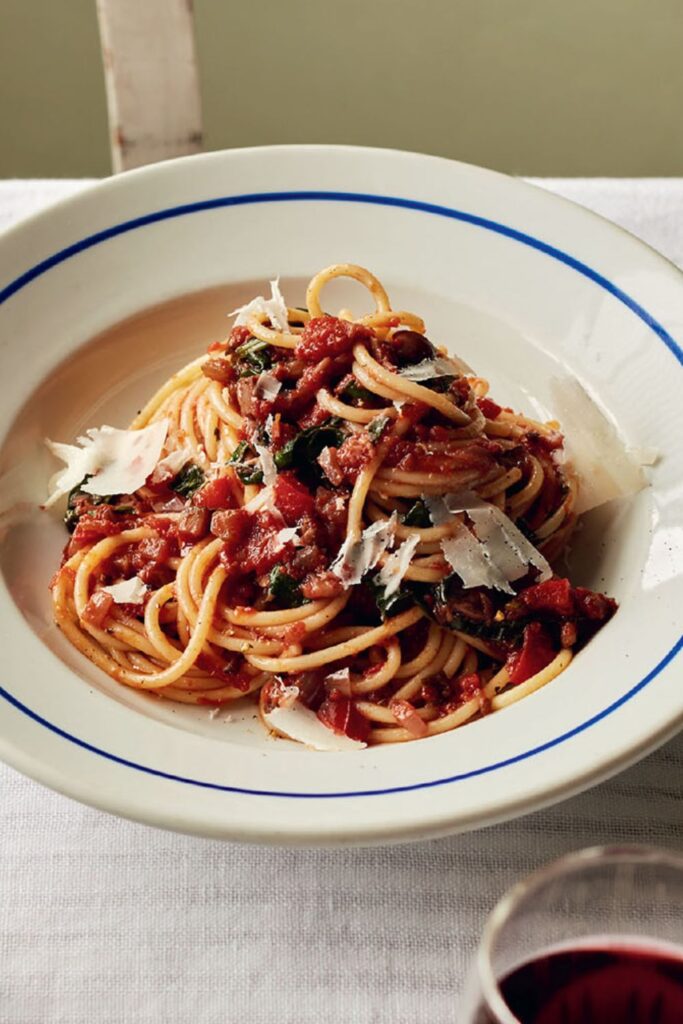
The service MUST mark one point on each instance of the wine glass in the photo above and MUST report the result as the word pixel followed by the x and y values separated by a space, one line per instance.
pixel 593 938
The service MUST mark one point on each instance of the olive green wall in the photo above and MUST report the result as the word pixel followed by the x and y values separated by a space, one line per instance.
pixel 547 87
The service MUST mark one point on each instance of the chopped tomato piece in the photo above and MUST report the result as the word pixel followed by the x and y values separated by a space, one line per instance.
pixel 491 410
pixel 355 454
pixel 292 498
pixel 536 652
pixel 329 336
pixel 551 596
pixel 340 714
pixel 97 609
pixel 470 686
pixel 558 597
pixel 594 606
pixel 321 585
pixel 215 494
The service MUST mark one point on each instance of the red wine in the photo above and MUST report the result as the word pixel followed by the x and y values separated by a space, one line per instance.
pixel 609 985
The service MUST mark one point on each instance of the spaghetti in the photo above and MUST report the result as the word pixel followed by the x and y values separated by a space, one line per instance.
pixel 332 515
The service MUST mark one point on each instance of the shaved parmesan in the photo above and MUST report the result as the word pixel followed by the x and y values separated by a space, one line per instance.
pixel 171 465
pixel 497 555
pixel 119 461
pixel 439 512
pixel 267 464
pixel 396 565
pixel 469 559
pixel 274 309
pixel 440 366
pixel 287 695
pixel 289 535
pixel 342 675
pixel 505 545
pixel 645 455
pixel 130 591
pixel 301 724
pixel 267 386
pixel 355 558
pixel 604 466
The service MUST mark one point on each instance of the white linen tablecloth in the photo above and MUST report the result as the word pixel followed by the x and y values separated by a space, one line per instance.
pixel 107 922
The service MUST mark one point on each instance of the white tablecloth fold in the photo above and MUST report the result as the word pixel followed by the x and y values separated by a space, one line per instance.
pixel 106 922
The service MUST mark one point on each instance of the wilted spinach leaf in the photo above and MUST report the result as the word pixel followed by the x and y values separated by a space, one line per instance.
pixel 189 479
pixel 284 589
pixel 389 606
pixel 377 427
pixel 253 357
pixel 242 459
pixel 418 515
pixel 303 450
pixel 354 390
pixel 71 516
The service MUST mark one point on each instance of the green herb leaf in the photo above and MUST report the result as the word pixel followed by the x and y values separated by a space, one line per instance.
pixel 356 391
pixel 253 357
pixel 189 479
pixel 246 468
pixel 377 427
pixel 303 450
pixel 71 516
pixel 418 515
pixel 284 589
pixel 389 606
pixel 439 384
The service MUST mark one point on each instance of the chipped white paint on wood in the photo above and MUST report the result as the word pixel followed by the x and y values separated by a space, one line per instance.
pixel 150 71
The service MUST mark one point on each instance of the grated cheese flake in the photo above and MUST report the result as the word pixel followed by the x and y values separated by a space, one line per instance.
pixel 267 386
pixel 171 464
pixel 301 724
pixel 118 461
pixel 274 309
pixel 288 535
pixel 130 591
pixel 469 559
pixel 396 565
pixel 355 558
pixel 267 464
pixel 504 544
pixel 605 467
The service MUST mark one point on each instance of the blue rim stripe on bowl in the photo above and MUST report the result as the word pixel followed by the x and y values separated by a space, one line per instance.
pixel 348 197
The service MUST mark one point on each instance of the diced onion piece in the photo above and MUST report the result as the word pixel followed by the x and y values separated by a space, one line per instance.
pixel 130 591
pixel 303 725
pixel 119 461
pixel 396 565
pixel 604 466
pixel 355 558
pixel 273 308
pixel 267 386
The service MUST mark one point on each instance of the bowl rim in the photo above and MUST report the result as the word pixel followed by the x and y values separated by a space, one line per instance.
pixel 507 808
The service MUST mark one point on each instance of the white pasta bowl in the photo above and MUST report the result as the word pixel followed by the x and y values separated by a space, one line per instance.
pixel 524 286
